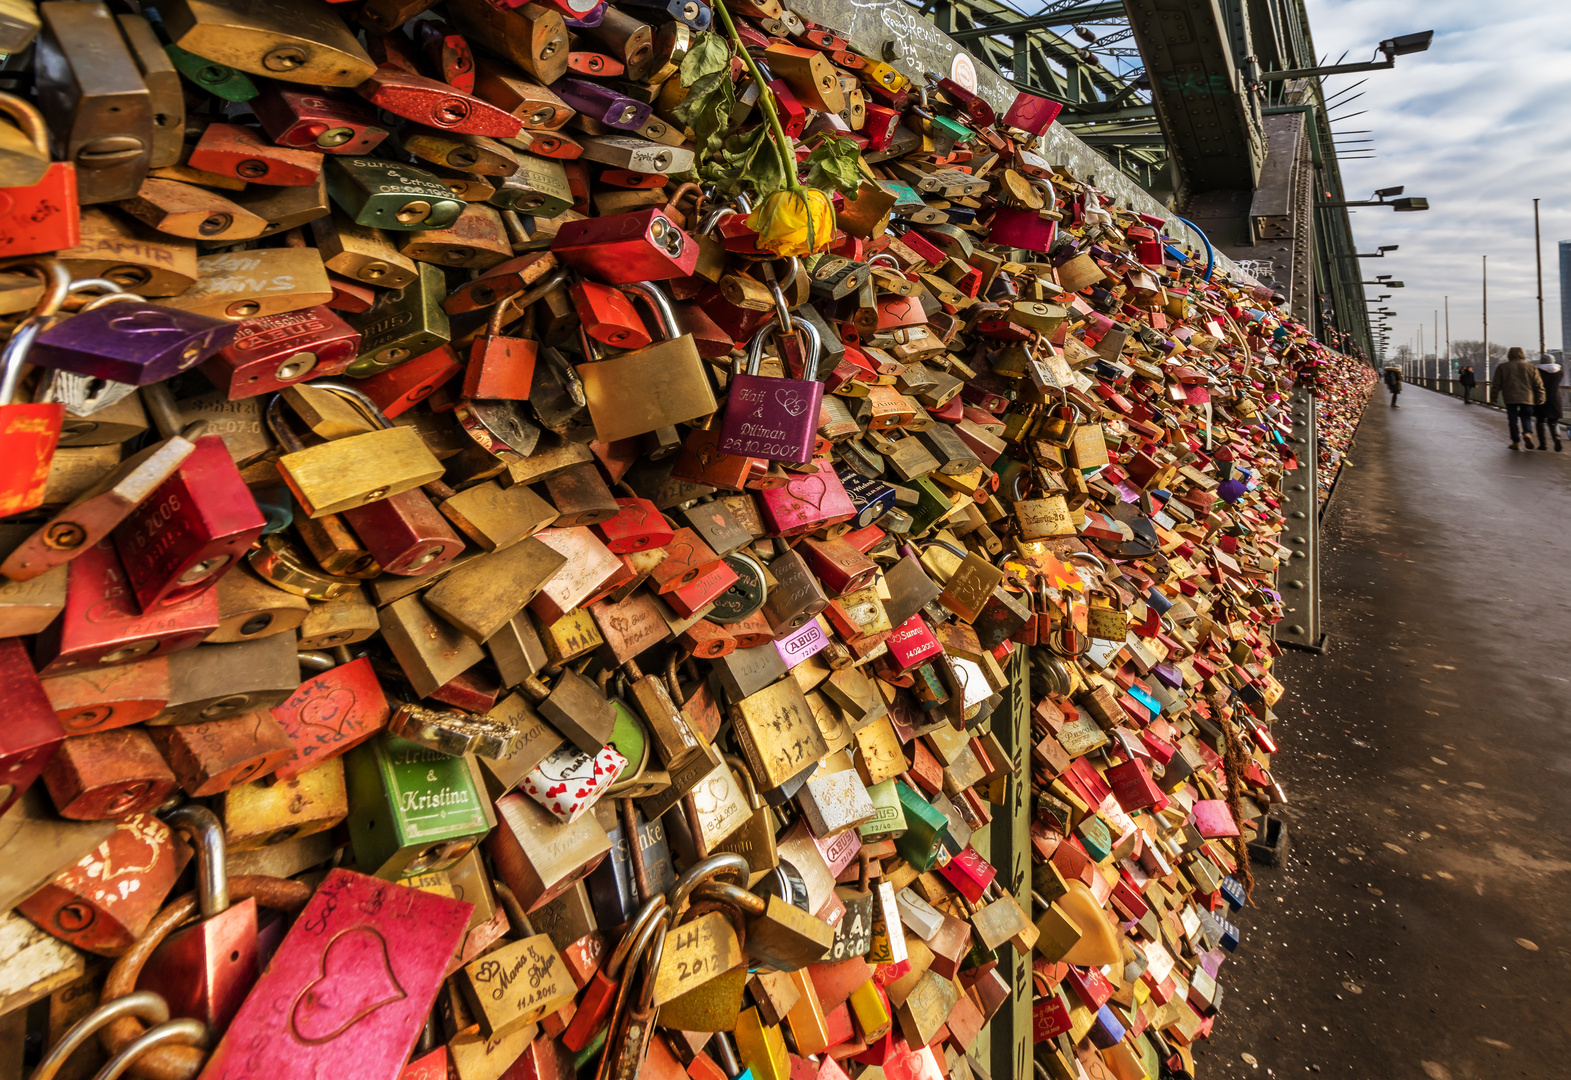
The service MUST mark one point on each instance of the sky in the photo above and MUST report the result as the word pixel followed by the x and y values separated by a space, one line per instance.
pixel 1480 125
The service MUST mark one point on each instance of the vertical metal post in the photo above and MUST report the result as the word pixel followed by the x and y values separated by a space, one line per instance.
pixel 1010 853
pixel 1487 373
pixel 1538 258
pixel 1298 578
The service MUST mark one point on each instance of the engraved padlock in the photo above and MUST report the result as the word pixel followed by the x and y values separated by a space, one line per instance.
pixel 775 419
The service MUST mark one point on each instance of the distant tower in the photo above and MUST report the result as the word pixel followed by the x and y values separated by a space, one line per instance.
pixel 1565 295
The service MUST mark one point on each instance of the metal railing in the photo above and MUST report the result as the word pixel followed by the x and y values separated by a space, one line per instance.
pixel 1450 387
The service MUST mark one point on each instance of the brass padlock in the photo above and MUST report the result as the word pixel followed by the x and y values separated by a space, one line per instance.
pixel 296 43
pixel 345 473
pixel 650 388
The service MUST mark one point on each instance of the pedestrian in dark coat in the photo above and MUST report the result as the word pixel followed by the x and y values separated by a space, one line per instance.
pixel 1518 387
pixel 1547 413
pixel 1468 381
pixel 1394 383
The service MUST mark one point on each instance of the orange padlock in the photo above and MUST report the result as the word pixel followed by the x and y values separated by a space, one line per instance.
pixel 43 216
pixel 29 433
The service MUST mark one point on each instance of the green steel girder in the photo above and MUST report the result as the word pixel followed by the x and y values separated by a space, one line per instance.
pixel 1083 13
pixel 1211 121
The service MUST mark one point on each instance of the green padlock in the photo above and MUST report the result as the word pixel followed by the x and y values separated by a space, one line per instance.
pixel 217 79
pixel 402 324
pixel 412 810
pixel 926 829
pixel 389 195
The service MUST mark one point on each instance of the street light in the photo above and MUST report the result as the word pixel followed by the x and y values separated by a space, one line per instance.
pixel 1407 205
pixel 1385 282
pixel 1379 253
pixel 1391 47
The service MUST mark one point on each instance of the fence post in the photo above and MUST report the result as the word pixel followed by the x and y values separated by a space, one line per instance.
pixel 1298 579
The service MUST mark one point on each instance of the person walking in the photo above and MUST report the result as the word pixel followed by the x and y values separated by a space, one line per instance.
pixel 1518 385
pixel 1394 382
pixel 1468 381
pixel 1547 413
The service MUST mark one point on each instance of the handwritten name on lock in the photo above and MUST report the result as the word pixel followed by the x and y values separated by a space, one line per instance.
pixel 520 983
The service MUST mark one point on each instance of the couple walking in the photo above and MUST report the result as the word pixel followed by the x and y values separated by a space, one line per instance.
pixel 1531 395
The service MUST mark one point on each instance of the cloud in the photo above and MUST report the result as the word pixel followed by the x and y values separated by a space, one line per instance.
pixel 1480 125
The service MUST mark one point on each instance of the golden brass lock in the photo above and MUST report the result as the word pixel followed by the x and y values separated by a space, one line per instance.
pixel 701 948
pixel 300 43
pixel 24 148
pixel 350 472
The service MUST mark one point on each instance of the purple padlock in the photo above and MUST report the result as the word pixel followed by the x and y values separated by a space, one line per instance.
pixel 603 104
pixel 774 419
pixel 131 341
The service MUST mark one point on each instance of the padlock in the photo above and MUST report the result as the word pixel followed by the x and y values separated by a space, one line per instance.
pixel 107 774
pixel 411 810
pixel 292 44
pixel 130 342
pixel 385 195
pixel 399 938
pixel 629 249
pixel 699 947
pixel 326 479
pixel 599 996
pixel 775 419
pixel 28 433
pixel 205 971
pixel 104 901
pixel 103 625
pixel 538 856
pixel 779 934
pixel 210 757
pixel 90 88
pixel 649 388
pixel 317 121
pixel 275 351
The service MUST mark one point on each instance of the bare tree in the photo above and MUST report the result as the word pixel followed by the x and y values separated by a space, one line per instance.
pixel 1469 351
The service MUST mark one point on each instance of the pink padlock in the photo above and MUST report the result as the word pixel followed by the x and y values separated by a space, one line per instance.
pixel 809 501
pixel 774 419
pixel 1023 228
pixel 913 642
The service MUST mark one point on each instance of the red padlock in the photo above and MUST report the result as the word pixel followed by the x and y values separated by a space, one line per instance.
pixel 191 530
pixel 42 217
pixel 102 626
pixel 275 351
pixel 437 105
pixel 448 54
pixel 622 249
pixel 399 389
pixel 502 366
pixel 609 316
pixel 241 152
pixel 105 901
pixel 637 526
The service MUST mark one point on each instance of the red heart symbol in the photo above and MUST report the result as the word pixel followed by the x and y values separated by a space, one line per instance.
pixel 355 981
pixel 580 793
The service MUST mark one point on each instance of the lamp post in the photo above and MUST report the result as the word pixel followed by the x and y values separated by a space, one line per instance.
pixel 1391 47
pixel 1407 205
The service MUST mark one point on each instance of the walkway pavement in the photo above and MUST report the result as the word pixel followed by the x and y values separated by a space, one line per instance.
pixel 1422 927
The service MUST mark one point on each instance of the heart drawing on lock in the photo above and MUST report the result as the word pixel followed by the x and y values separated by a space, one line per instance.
pixel 355 980
pixel 330 711
pixel 791 401
pixel 803 490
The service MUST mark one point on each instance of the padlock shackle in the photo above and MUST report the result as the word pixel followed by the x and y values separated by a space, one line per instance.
pixel 14 358
pixel 733 896
pixel 207 836
pixel 358 399
pixel 142 1004
pixel 665 315
pixel 184 1031
pixel 815 345
pixel 636 938
pixel 748 786
pixel 724 863
pixel 31 121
